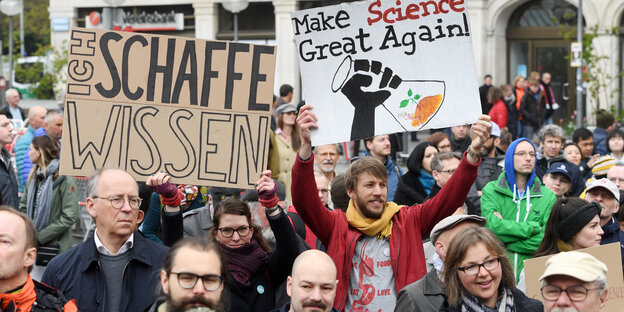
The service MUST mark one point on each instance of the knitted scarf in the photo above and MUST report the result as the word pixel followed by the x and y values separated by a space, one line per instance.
pixel 381 227
pixel 39 198
pixel 504 303
pixel 245 261
pixel 21 299
pixel 426 180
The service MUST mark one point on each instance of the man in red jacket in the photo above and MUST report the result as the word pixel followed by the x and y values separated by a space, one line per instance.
pixel 376 245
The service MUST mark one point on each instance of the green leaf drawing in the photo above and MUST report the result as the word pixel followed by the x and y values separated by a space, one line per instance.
pixel 409 92
pixel 417 96
pixel 404 103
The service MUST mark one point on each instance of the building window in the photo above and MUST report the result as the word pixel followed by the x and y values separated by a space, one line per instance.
pixel 257 21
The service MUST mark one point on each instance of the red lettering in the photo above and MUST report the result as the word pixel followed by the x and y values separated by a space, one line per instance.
pixel 383 292
pixel 409 12
pixel 440 6
pixel 354 292
pixel 385 15
pixel 455 3
pixel 371 21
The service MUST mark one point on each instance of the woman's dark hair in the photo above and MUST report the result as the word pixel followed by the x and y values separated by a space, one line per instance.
pixel 612 134
pixel 235 206
pixel 457 250
pixel 48 149
pixel 495 94
pixel 572 144
pixel 562 209
pixel 295 135
pixel 414 161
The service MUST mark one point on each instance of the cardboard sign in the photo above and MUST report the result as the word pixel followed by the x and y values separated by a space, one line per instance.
pixel 386 66
pixel 198 110
pixel 608 254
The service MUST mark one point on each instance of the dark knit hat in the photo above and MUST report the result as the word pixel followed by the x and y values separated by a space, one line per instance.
pixel 575 222
pixel 604 119
pixel 338 191
pixel 252 195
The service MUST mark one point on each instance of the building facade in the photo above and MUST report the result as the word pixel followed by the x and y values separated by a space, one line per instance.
pixel 510 37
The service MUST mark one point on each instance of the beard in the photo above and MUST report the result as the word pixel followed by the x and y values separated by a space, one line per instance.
pixel 195 304
pixel 487 149
pixel 369 213
pixel 327 166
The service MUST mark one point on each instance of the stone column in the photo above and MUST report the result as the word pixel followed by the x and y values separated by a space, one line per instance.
pixel 206 26
pixel 287 67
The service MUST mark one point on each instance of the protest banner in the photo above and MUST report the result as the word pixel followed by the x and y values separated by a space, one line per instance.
pixel 609 254
pixel 196 109
pixel 386 66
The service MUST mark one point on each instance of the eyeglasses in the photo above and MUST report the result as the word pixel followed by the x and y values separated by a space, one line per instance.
pixel 229 232
pixel 473 269
pixel 524 154
pixel 118 201
pixel 575 293
pixel 211 282
pixel 449 171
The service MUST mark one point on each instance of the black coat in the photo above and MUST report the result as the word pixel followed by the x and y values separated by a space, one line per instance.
pixel 8 181
pixel 533 111
pixel 410 191
pixel 5 110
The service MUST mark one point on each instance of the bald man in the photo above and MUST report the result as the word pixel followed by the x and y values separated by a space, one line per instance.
pixel 312 284
pixel 36 115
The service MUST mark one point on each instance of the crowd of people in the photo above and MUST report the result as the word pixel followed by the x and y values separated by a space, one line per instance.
pixel 451 233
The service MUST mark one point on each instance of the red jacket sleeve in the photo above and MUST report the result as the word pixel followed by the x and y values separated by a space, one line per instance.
pixel 307 202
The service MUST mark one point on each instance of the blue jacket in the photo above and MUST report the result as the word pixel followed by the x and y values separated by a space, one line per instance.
pixel 613 234
pixel 76 273
pixel 21 157
pixel 394 174
pixel 600 141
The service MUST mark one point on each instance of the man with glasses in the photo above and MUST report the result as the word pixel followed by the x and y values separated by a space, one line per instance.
pixel 516 205
pixel 193 276
pixel 117 268
pixel 574 281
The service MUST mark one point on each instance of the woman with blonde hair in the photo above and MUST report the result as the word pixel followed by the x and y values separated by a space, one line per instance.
pixel 478 275
pixel 285 143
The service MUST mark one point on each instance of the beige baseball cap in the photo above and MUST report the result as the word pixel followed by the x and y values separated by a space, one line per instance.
pixel 579 265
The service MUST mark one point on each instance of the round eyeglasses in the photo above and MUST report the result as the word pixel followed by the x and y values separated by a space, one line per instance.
pixel 187 280
pixel 229 232
pixel 118 201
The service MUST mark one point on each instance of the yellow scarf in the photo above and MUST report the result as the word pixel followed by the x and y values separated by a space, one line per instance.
pixel 563 246
pixel 381 227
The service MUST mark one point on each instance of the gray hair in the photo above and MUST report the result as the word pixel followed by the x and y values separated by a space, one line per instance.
pixel 436 162
pixel 551 130
pixel 10 93
pixel 334 145
pixel 95 177
pixel 53 113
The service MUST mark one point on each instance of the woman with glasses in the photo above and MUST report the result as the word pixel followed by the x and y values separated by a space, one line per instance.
pixel 478 276
pixel 49 199
pixel 416 184
pixel 255 271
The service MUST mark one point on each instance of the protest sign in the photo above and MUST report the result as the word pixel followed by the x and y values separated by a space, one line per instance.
pixel 198 110
pixel 609 254
pixel 386 66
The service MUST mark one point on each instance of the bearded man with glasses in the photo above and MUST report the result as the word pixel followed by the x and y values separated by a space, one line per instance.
pixel 117 268
pixel 574 281
pixel 193 277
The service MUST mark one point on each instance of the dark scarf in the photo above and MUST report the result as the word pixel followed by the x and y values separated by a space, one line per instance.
pixel 245 261
pixel 504 303
pixel 40 188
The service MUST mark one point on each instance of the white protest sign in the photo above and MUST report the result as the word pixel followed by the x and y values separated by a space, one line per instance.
pixel 386 66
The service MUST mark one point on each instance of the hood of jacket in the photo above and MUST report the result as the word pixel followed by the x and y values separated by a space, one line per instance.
pixel 510 171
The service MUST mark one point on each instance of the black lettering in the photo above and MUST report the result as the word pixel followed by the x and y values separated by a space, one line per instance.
pixel 124 67
pixel 256 76
pixel 191 78
pixel 206 148
pixel 112 69
pixel 244 136
pixel 390 36
pixel 189 151
pixel 361 36
pixel 208 72
pixel 166 70
pixel 154 154
pixel 234 48
pixel 302 23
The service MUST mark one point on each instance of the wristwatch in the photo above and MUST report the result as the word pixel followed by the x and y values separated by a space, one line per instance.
pixel 272 210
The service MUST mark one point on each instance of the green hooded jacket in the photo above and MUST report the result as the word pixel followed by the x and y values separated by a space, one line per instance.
pixel 524 219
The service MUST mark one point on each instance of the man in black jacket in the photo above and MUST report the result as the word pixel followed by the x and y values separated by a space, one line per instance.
pixel 8 178
pixel 117 268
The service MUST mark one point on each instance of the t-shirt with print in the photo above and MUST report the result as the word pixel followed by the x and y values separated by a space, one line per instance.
pixel 372 280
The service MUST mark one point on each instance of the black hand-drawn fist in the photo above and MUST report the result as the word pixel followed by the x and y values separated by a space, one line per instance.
pixel 365 102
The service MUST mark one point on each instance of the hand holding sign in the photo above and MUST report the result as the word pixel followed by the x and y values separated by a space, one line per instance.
pixel 479 133
pixel 306 121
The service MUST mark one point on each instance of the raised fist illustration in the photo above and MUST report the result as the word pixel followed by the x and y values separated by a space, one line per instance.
pixel 365 102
